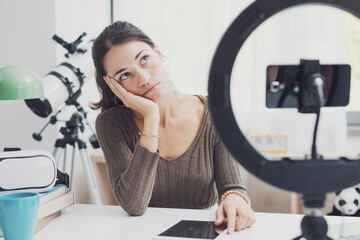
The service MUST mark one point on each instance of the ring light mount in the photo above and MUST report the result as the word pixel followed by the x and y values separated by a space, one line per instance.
pixel 313 178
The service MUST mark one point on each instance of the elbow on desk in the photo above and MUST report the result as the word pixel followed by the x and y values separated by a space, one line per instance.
pixel 132 208
pixel 132 204
pixel 135 211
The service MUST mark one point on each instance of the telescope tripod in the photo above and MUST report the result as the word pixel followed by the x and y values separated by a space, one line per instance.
pixel 71 137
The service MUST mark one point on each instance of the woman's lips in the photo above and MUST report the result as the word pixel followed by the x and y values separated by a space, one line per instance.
pixel 150 88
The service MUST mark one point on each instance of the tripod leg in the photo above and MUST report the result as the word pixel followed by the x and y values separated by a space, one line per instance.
pixel 90 177
pixel 60 144
pixel 57 154
pixel 64 161
pixel 72 167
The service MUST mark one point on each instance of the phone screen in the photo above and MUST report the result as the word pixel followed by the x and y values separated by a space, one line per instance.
pixel 282 85
pixel 194 229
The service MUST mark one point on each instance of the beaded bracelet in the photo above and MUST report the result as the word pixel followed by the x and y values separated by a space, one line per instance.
pixel 145 135
pixel 234 192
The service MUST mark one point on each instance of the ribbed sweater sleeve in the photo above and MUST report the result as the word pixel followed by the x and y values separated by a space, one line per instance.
pixel 132 172
pixel 227 173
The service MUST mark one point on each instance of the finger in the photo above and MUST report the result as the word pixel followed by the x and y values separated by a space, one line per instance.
pixel 245 217
pixel 253 219
pixel 219 229
pixel 116 87
pixel 219 216
pixel 112 83
pixel 251 223
pixel 248 222
pixel 242 221
pixel 119 90
pixel 109 82
pixel 106 78
pixel 250 219
pixel 231 216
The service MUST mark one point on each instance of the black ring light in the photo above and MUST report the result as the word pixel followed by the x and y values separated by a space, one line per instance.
pixel 311 177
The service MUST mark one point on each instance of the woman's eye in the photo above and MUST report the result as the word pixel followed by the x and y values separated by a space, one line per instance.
pixel 144 59
pixel 124 76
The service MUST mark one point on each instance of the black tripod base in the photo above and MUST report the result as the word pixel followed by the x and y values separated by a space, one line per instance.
pixel 313 228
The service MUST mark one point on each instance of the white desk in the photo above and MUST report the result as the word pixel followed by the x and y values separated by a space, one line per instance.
pixel 92 222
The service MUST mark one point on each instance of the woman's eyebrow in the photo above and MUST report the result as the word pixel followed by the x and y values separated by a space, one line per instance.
pixel 123 69
pixel 137 55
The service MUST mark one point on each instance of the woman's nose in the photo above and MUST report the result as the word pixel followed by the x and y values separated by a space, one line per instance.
pixel 143 77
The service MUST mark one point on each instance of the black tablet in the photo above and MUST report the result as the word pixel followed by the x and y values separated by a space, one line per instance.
pixel 191 229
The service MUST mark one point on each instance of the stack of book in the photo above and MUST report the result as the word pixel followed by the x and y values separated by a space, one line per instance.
pixel 51 204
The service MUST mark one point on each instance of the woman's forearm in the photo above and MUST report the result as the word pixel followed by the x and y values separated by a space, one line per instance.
pixel 150 133
pixel 133 187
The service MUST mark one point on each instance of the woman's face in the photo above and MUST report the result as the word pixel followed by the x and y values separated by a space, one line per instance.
pixel 138 68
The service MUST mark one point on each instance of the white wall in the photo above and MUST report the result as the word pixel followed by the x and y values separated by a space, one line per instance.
pixel 27 29
pixel 72 18
pixel 187 32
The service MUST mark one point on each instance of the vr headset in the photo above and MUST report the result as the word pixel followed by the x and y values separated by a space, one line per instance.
pixel 30 171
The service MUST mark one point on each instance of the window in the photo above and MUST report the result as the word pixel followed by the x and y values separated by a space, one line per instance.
pixel 187 33
pixel 352 28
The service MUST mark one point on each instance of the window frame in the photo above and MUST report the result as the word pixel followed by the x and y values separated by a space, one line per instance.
pixel 353 122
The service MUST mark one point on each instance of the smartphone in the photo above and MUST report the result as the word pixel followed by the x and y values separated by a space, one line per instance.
pixel 282 85
pixel 191 230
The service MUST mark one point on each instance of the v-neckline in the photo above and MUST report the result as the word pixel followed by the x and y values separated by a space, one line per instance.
pixel 203 99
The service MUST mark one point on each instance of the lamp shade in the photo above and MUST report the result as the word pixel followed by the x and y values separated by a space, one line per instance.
pixel 18 82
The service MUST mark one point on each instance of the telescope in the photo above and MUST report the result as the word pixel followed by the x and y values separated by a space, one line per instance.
pixel 62 86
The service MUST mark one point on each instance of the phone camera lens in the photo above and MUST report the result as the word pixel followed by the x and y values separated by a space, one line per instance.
pixel 275 86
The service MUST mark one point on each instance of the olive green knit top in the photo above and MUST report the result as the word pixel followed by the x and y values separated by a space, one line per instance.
pixel 140 178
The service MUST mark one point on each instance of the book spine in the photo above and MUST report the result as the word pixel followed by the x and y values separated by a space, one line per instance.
pixel 48 197
pixel 56 204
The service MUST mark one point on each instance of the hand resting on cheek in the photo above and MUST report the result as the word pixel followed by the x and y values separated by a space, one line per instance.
pixel 140 104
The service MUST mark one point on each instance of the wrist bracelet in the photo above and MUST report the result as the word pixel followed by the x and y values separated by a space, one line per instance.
pixel 145 135
pixel 234 192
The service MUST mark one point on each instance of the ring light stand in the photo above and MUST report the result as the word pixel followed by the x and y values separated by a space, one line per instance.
pixel 313 178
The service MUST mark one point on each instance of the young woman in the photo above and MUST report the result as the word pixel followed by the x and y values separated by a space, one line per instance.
pixel 160 146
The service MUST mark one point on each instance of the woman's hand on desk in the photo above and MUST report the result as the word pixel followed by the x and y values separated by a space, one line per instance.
pixel 238 213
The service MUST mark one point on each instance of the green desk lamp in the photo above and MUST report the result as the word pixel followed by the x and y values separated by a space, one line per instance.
pixel 18 82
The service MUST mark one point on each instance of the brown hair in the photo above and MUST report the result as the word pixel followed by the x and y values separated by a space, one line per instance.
pixel 114 34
